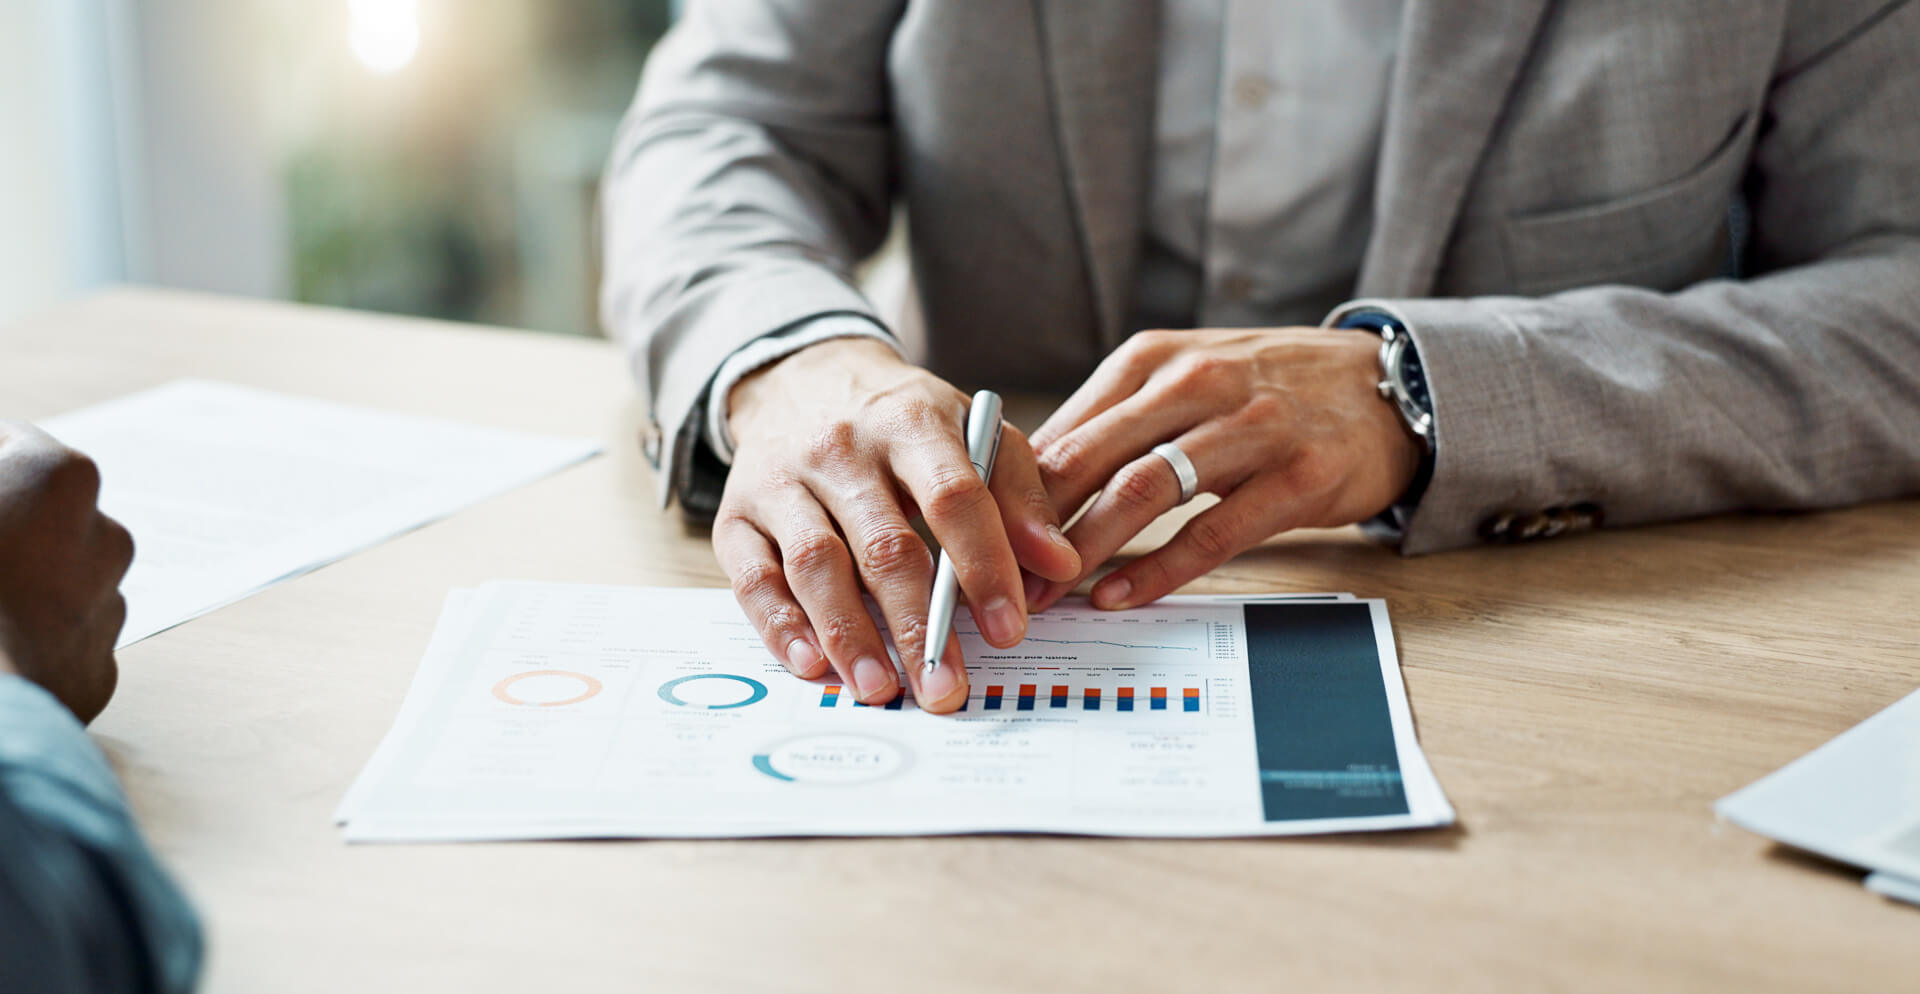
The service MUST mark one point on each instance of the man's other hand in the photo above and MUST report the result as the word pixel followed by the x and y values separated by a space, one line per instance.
pixel 1284 424
pixel 61 561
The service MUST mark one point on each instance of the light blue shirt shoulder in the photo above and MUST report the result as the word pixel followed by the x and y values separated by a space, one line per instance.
pixel 83 904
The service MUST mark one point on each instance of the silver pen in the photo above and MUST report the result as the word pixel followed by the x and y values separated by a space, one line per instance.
pixel 983 444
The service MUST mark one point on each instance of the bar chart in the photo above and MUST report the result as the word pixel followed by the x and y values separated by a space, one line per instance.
pixel 1038 697
pixel 1027 697
pixel 831 697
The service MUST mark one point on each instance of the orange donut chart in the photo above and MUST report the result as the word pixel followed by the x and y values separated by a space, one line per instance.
pixel 504 689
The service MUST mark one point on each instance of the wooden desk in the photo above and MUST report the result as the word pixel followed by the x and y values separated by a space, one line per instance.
pixel 1583 702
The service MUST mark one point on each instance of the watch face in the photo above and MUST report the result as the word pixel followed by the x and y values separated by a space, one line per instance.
pixel 1414 378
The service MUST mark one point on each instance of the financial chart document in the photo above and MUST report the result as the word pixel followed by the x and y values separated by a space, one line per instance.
pixel 561 711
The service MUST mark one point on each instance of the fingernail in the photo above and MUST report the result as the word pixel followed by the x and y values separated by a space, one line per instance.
pixel 938 684
pixel 1112 594
pixel 1033 586
pixel 872 679
pixel 1002 620
pixel 1058 537
pixel 802 659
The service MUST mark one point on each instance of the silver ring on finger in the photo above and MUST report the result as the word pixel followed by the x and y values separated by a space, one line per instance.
pixel 1182 469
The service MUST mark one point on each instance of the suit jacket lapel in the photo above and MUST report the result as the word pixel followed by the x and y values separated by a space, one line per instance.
pixel 1103 62
pixel 1458 60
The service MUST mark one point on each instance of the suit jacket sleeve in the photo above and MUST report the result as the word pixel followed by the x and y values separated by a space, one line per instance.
pixel 754 170
pixel 83 905
pixel 1799 388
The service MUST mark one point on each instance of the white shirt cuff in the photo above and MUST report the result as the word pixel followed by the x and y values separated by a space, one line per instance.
pixel 772 348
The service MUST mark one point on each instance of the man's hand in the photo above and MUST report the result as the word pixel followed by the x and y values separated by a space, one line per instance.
pixel 1285 424
pixel 61 561
pixel 837 447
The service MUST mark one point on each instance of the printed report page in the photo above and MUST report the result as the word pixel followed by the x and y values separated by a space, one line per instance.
pixel 548 711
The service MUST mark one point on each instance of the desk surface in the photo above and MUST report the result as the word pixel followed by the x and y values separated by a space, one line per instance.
pixel 1583 702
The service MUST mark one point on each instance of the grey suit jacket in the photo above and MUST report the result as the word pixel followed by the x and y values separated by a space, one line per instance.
pixel 1551 217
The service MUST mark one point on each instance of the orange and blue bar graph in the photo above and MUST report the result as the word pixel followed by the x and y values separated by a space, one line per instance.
pixel 830 697
pixel 1059 695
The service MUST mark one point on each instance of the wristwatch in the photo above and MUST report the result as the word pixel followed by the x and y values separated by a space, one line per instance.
pixel 1403 383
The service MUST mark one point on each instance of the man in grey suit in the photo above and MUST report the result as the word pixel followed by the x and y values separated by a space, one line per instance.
pixel 1630 261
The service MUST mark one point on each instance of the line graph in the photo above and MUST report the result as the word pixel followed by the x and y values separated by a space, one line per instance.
pixel 1086 637
pixel 1116 645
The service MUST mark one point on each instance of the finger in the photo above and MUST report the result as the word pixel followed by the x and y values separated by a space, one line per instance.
pixel 1043 593
pixel 961 511
pixel 1085 459
pixel 1142 491
pixel 1033 528
pixel 87 688
pixel 752 565
pixel 116 547
pixel 1110 384
pixel 897 569
pixel 1147 487
pixel 1260 508
pixel 1118 377
pixel 819 570
pixel 943 689
pixel 107 674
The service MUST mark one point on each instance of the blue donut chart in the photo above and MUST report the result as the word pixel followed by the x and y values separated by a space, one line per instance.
pixel 764 763
pixel 756 691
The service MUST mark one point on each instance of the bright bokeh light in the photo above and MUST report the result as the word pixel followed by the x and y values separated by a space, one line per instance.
pixel 384 34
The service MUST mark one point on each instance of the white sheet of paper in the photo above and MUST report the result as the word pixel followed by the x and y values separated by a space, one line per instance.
pixel 1855 799
pixel 563 711
pixel 1898 888
pixel 228 489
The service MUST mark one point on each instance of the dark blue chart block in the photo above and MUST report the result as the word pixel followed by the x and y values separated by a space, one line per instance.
pixel 1322 725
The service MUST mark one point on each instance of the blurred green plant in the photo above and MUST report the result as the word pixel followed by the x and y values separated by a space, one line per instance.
pixel 402 198
pixel 373 233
